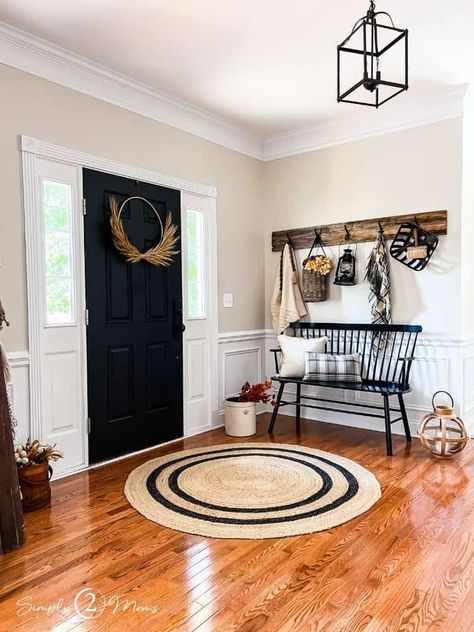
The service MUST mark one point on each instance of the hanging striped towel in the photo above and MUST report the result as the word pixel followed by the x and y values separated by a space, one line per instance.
pixel 378 275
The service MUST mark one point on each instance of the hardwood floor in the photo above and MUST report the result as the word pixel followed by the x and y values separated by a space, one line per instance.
pixel 407 564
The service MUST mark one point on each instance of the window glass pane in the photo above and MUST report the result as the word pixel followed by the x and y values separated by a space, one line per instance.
pixel 58 252
pixel 196 286
pixel 58 300
pixel 56 205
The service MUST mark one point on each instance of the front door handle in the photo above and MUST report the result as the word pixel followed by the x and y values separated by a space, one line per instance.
pixel 178 325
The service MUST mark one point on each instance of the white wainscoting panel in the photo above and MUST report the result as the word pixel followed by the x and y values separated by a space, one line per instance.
pixel 241 358
pixel 467 376
pixel 20 391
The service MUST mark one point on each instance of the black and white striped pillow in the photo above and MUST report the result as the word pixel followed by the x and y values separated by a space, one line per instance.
pixel 327 367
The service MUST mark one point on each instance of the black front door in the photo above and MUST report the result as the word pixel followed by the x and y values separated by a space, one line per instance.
pixel 134 335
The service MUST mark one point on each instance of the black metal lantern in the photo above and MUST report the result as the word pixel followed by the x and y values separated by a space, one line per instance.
pixel 346 267
pixel 360 76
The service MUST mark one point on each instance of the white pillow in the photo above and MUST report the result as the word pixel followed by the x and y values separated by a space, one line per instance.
pixel 293 353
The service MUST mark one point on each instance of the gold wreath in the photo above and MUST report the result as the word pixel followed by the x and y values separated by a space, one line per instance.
pixel 159 255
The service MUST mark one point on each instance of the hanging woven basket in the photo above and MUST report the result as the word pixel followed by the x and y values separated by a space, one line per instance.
pixel 314 286
pixel 315 283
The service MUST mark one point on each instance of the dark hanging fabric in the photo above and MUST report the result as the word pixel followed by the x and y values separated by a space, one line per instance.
pixel 378 275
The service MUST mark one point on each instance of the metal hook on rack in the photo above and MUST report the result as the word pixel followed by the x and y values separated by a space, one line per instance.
pixel 347 235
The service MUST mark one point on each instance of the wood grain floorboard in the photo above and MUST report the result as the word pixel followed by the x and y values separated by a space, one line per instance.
pixel 407 564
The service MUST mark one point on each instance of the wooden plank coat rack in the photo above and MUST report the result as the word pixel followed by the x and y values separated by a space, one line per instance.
pixel 363 230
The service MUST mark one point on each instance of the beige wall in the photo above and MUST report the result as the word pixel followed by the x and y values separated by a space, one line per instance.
pixel 38 108
pixel 413 170
pixel 409 171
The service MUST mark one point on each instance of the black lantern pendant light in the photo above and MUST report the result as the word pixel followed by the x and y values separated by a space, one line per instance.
pixel 360 76
pixel 346 266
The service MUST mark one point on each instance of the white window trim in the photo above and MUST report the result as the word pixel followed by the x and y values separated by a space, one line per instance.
pixel 32 148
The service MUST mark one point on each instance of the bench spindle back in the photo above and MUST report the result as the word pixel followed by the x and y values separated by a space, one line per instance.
pixel 383 348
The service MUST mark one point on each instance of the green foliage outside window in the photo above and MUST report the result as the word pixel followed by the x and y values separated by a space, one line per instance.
pixel 195 265
pixel 56 216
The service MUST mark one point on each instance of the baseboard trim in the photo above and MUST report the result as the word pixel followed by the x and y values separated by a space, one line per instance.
pixel 356 421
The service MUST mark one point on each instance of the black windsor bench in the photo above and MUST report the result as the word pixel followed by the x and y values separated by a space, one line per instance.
pixel 387 354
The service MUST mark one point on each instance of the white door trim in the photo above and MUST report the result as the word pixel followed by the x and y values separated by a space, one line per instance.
pixel 201 410
pixel 58 153
pixel 31 149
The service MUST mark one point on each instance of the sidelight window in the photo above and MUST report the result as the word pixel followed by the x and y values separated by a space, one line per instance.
pixel 58 252
pixel 195 253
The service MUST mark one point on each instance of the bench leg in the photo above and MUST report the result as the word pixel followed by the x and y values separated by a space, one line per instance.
pixel 403 410
pixel 275 408
pixel 388 427
pixel 298 405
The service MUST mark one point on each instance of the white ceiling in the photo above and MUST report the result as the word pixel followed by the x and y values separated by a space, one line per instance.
pixel 266 66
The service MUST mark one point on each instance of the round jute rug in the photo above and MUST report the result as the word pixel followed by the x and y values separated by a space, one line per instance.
pixel 251 490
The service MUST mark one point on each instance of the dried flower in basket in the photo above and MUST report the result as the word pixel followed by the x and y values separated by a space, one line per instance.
pixel 34 452
pixel 320 264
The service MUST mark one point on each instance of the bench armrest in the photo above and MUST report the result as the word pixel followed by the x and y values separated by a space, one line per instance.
pixel 275 355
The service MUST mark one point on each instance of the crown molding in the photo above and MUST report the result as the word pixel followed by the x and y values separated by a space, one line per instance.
pixel 36 56
pixel 384 121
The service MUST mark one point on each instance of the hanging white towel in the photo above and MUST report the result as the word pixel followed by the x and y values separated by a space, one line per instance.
pixel 7 371
pixel 287 305
pixel 6 365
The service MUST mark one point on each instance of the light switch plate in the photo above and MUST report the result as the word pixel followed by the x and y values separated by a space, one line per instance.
pixel 228 300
